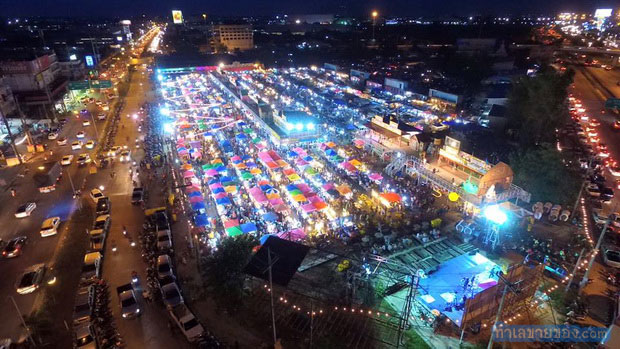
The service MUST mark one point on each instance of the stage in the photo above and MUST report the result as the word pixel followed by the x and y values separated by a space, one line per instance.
pixel 465 275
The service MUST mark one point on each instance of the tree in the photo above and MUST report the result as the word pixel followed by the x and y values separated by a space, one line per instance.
pixel 542 172
pixel 223 270
pixel 537 105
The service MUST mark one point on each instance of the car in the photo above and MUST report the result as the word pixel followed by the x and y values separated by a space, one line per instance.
pixel 594 123
pixel 602 146
pixel 83 159
pixel 616 125
pixel 77 145
pixel 130 307
pixel 31 279
pixel 80 134
pixel 101 116
pixel 61 141
pixel 137 196
pixel 607 194
pixel 90 144
pixel 171 295
pixel 96 194
pixel 84 337
pixel 91 269
pixel 50 227
pixel 594 139
pixel 614 170
pixel 97 240
pixel 612 258
pixel 25 210
pixel 593 192
pixel 164 266
pixel 102 222
pixel 164 241
pixel 86 123
pixel 125 155
pixel 103 206
pixel 66 160
pixel 84 303
pixel 14 247
pixel 52 136
pixel 114 151
pixel 603 154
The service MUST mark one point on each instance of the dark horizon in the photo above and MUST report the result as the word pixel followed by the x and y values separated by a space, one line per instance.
pixel 413 8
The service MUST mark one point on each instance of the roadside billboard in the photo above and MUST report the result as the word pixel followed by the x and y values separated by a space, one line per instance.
pixel 177 17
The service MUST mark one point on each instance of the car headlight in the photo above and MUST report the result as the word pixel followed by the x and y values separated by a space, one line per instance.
pixel 138 310
pixel 125 315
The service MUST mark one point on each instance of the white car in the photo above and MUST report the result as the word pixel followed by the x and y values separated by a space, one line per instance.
pixel 52 136
pixel 125 155
pixel 85 123
pixel 31 279
pixel 612 258
pixel 90 144
pixel 83 159
pixel 66 160
pixel 80 134
pixel 77 145
pixel 114 151
pixel 25 210
pixel 61 141
pixel 85 337
pixel 50 226
pixel 96 194
pixel 615 171
pixel 101 116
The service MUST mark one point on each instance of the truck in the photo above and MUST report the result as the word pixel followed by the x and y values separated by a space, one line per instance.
pixel 187 322
pixel 47 176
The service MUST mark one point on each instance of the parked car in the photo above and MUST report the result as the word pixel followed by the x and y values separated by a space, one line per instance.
pixel 103 206
pixel 611 257
pixel 164 241
pixel 77 145
pixel 80 134
pixel 171 295
pixel 90 144
pixel 164 266
pixel 50 226
pixel 84 337
pixel 86 123
pixel 102 222
pixel 83 159
pixel 125 155
pixel 92 267
pixel 97 240
pixel 137 196
pixel 84 303
pixel 52 136
pixel 61 141
pixel 31 279
pixel 14 247
pixel 96 194
pixel 25 210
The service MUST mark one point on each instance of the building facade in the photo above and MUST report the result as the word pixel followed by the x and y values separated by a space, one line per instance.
pixel 7 102
pixel 232 37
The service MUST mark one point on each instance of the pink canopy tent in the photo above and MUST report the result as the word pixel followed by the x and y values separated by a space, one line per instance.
pixel 220 196
pixel 295 234
pixel 280 208
pixel 300 151
pixel 188 174
pixel 231 223
pixel 211 173
pixel 375 177
pixel 215 185
pixel 195 199
pixel 258 195
pixel 328 186
pixel 308 208
pixel 276 202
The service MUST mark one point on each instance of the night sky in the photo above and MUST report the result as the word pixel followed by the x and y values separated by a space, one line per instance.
pixel 266 7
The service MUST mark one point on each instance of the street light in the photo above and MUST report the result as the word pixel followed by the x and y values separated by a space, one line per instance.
pixel 374 22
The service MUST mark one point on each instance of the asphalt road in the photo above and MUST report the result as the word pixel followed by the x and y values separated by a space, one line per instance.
pixel 57 203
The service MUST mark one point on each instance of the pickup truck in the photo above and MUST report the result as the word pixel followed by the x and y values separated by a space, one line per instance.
pixel 130 307
pixel 187 322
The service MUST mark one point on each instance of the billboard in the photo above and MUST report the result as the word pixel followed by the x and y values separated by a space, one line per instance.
pixel 177 17
pixel 602 13
pixel 89 61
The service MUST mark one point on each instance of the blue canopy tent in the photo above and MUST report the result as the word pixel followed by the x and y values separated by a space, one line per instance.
pixel 270 217
pixel 223 201
pixel 250 164
pixel 246 157
pixel 220 168
pixel 198 206
pixel 227 179
pixel 248 227
pixel 292 154
pixel 213 181
pixel 201 219
pixel 265 187
pixel 241 136
pixel 291 187
pixel 194 193
pixel 308 158
pixel 264 238
pixel 219 190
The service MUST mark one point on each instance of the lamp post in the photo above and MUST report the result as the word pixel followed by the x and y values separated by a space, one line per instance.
pixel 374 22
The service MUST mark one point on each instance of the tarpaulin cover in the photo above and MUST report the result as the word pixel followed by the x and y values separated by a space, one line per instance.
pixel 311 171
pixel 282 163
pixel 304 188
pixel 308 158
pixel 194 193
pixel 256 171
pixel 299 198
pixel 295 192
pixel 265 187
pixel 320 205
pixel 220 195
pixel 301 162
pixel 328 186
pixel 343 189
pixel 295 234
pixel 276 202
pixel 355 163
pixel 188 174
pixel 292 154
pixel 187 167
pixel 251 164
pixel 218 190
pixel 308 208
pixel 213 181
pixel 294 177
pixel 288 171
pixel 246 175
pixel 280 208
pixel 211 173
pixel 231 189
pixel 334 193
pixel 291 187
pixel 375 177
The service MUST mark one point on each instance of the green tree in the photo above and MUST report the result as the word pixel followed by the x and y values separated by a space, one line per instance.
pixel 537 105
pixel 542 172
pixel 222 271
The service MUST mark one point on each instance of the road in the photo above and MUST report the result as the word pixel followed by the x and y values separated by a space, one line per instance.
pixel 57 203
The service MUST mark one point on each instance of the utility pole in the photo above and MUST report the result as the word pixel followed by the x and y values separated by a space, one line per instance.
pixel 507 286
pixel 12 140
pixel 273 315
pixel 586 275
pixel 21 318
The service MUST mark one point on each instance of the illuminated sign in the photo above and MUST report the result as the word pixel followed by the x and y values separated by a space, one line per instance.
pixel 177 17
pixel 453 143
pixel 89 61
pixel 119 38
pixel 72 57
pixel 602 13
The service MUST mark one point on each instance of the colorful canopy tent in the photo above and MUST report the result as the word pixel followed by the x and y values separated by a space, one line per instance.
pixel 194 193
pixel 198 206
pixel 343 189
pixel 223 201
pixel 195 199
pixel 248 227
pixel 293 235
pixel 234 231
pixel 375 177
pixel 201 219
pixel 231 223
pixel 391 197
pixel 270 217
